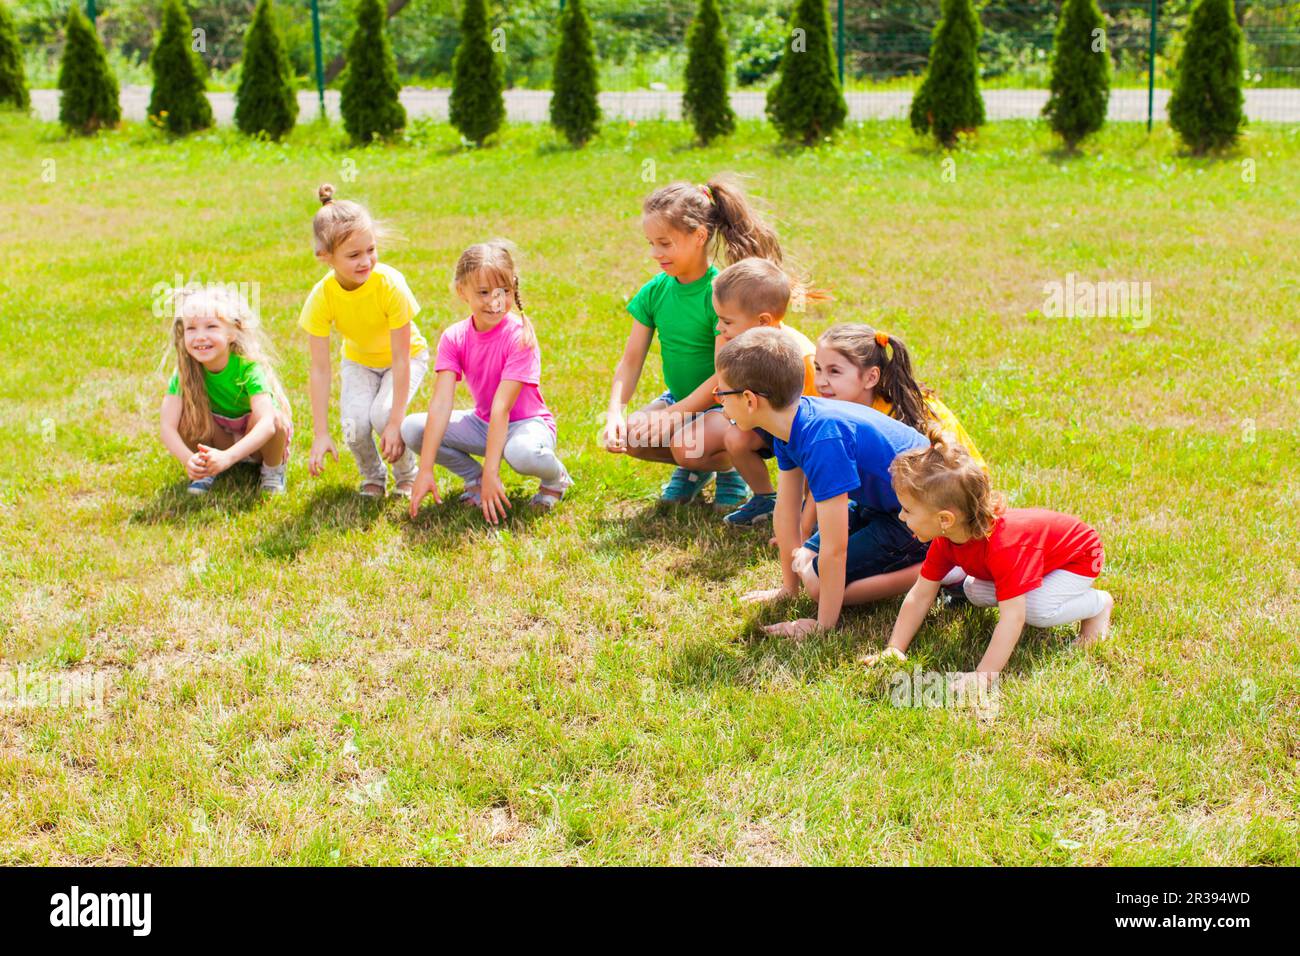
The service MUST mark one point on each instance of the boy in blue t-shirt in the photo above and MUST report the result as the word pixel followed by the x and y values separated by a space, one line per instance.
pixel 862 551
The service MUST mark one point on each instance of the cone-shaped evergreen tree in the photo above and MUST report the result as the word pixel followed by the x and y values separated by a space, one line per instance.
pixel 807 104
pixel 1080 73
pixel 88 90
pixel 177 100
pixel 948 101
pixel 575 110
pixel 1205 108
pixel 369 99
pixel 265 103
pixel 477 76
pixel 13 82
pixel 706 102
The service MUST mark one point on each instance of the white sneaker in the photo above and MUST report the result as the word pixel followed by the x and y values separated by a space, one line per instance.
pixel 274 478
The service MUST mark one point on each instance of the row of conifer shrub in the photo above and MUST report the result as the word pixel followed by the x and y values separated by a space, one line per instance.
pixel 806 103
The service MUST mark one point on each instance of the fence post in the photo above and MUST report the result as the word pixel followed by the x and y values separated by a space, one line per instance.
pixel 839 40
pixel 320 68
pixel 1151 66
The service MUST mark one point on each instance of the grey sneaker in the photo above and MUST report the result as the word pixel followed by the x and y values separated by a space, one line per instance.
pixel 274 478
pixel 201 486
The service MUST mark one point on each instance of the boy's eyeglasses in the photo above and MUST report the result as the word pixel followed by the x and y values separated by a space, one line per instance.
pixel 719 392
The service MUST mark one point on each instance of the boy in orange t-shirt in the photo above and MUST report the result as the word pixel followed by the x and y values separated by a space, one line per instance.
pixel 750 294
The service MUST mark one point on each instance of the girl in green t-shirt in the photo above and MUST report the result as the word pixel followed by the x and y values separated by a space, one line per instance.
pixel 686 225
pixel 224 405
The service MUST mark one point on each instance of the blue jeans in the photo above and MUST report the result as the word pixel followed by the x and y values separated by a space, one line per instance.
pixel 878 544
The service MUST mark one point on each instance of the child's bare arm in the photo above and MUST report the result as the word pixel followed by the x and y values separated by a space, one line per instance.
pixel 833 525
pixel 626 375
pixel 785 522
pixel 170 430
pixel 492 493
pixel 1011 624
pixel 808 515
pixel 912 614
pixel 435 426
pixel 390 441
pixel 319 388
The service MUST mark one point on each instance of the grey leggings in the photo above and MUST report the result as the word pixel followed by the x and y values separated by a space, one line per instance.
pixel 530 446
pixel 365 402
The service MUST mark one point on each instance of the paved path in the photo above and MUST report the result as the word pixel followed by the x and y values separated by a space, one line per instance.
pixel 1280 105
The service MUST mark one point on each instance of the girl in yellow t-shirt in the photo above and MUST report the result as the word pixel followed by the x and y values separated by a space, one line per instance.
pixel 856 363
pixel 384 354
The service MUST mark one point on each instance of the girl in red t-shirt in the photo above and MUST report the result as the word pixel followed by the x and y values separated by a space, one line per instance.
pixel 1039 567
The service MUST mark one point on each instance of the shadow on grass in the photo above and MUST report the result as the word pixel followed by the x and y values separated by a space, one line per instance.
pixel 329 510
pixel 715 550
pixel 234 490
pixel 440 525
pixel 1061 155
pixel 951 640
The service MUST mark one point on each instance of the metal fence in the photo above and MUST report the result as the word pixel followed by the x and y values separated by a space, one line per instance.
pixel 881 47
pixel 1144 39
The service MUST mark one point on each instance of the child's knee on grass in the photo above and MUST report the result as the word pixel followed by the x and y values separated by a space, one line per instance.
pixel 804 564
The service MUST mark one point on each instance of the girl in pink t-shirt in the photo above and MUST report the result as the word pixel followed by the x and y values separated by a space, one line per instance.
pixel 1039 567
pixel 495 351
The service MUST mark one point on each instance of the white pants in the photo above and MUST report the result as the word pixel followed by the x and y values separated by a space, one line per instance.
pixel 365 402
pixel 530 446
pixel 1062 598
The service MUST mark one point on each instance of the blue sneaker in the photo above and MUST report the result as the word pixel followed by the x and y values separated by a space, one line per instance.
pixel 202 486
pixel 755 511
pixel 684 485
pixel 730 491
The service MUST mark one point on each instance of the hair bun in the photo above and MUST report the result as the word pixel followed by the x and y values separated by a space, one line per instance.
pixel 325 194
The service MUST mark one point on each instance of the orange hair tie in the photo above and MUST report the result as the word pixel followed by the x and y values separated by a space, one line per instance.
pixel 882 339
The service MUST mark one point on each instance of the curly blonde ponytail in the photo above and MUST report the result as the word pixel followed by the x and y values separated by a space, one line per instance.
pixel 944 477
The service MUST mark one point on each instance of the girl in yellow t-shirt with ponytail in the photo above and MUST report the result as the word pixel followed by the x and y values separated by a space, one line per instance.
pixel 384 354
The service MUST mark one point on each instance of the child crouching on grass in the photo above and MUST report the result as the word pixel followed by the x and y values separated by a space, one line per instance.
pixel 224 405
pixel 1039 567
pixel 384 354
pixel 863 552
pixel 495 350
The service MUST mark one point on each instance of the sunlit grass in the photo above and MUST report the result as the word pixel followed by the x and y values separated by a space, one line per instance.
pixel 316 679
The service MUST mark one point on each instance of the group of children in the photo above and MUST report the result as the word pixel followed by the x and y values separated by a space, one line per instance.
pixel 880 491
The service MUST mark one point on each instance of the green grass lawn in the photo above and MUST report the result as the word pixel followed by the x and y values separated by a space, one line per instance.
pixel 318 680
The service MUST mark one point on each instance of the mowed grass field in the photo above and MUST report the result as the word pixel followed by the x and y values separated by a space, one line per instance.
pixel 317 680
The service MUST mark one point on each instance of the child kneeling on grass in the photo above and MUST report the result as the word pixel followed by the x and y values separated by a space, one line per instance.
pixel 863 552
pixel 495 350
pixel 1039 567
pixel 224 405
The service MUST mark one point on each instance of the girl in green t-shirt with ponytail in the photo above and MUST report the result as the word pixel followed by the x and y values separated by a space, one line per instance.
pixel 686 226
pixel 224 404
